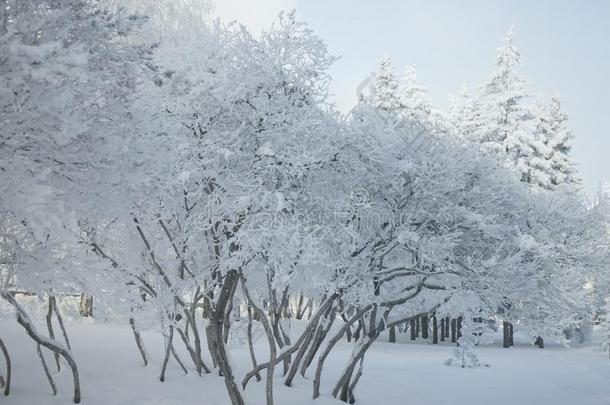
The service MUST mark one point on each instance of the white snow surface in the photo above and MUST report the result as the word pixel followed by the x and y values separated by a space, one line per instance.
pixel 403 373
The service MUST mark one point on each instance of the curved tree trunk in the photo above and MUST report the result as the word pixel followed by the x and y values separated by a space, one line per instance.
pixel 49 319
pixel 292 372
pixel 251 344
pixel 168 347
pixel 7 362
pixel 215 332
pixel 54 346
pixel 299 342
pixel 180 363
pixel 270 338
pixel 47 373
pixel 139 341
pixel 331 343
pixel 329 319
pixel 61 323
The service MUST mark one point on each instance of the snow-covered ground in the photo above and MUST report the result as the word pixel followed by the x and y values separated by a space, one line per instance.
pixel 403 373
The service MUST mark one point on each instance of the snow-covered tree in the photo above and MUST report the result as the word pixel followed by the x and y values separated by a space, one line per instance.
pixel 533 157
pixel 415 102
pixel 506 116
pixel 559 136
pixel 385 90
pixel 206 172
pixel 68 72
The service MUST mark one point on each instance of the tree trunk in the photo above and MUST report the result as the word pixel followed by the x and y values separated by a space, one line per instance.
pixel 49 319
pixel 331 343
pixel 177 358
pixel 215 329
pixel 505 334
pixel 453 331
pixel 447 323
pixel 459 327
pixel 139 342
pixel 424 326
pixel 412 326
pixel 300 310
pixel 319 338
pixel 297 359
pixel 24 321
pixel 271 340
pixel 434 330
pixel 47 373
pixel 442 329
pixel 191 319
pixel 60 321
pixel 309 308
pixel 85 307
pixel 205 312
pixel 7 361
pixel 251 344
pixel 539 342
pixel 168 349
pixel 392 332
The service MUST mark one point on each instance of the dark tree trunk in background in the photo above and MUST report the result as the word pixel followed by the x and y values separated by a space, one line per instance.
pixel 478 320
pixel 442 329
pixel 505 334
pixel 300 310
pixel 205 311
pixel 447 327
pixel 511 334
pixel 85 307
pixel 539 342
pixel 392 335
pixel 424 326
pixel 412 326
pixel 459 327
pixel 434 330
pixel 453 331
pixel 417 327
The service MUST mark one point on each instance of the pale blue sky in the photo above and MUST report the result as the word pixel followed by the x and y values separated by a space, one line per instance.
pixel 565 44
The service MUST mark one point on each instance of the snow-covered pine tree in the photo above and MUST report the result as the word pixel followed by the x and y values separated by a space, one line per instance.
pixel 465 115
pixel 563 168
pixel 415 102
pixel 385 91
pixel 504 99
pixel 534 152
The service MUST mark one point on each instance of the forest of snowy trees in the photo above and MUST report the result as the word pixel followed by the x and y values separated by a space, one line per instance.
pixel 178 174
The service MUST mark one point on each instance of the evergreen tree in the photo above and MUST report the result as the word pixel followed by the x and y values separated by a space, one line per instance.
pixel 564 171
pixel 415 102
pixel 385 94
pixel 465 115
pixel 534 151
pixel 506 116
